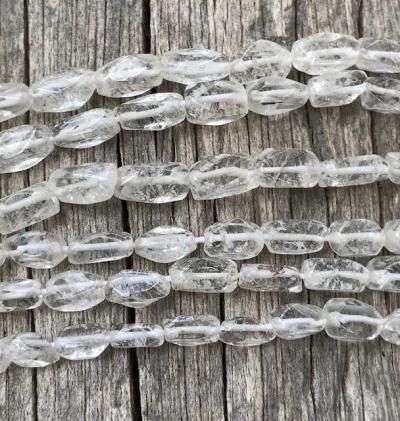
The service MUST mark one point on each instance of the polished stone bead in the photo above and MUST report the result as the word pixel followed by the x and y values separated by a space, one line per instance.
pixel 137 335
pixel 24 146
pixel 82 341
pixel 152 112
pixel 165 244
pixel 324 52
pixel 384 273
pixel 296 321
pixel 74 291
pixel 136 289
pixel 270 278
pixel 244 331
pixel 27 207
pixel 204 274
pixel 84 184
pixel 15 99
pixel 192 330
pixel 19 295
pixel 352 320
pixel 192 65
pixel 294 236
pixel 379 55
pixel 90 128
pixel 153 183
pixel 129 76
pixel 356 237
pixel 381 95
pixel 393 161
pixel 287 168
pixel 4 358
pixel 334 89
pixel 391 231
pixel 391 328
pixel 221 176
pixel 328 274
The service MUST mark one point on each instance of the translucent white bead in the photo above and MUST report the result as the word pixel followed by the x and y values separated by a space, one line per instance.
pixel 74 291
pixel 391 231
pixel 270 277
pixel 287 168
pixel 4 358
pixel 153 183
pixel 327 274
pixel 192 65
pixel 137 335
pixel 384 273
pixel 66 91
pixel 381 95
pixel 129 75
pixel 27 207
pixel 204 274
pixel 136 289
pixel 24 146
pixel 221 176
pixel 152 112
pixel 192 330
pixel 19 295
pixel 356 237
pixel 352 320
pixel 325 51
pixel 244 331
pixel 165 244
pixel 15 99
pixel 86 129
pixel 276 95
pixel 84 184
pixel 393 161
pixel 379 55
pixel 391 328
pixel 294 236
pixel 259 59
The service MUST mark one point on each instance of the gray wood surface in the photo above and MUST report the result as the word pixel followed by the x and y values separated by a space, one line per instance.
pixel 311 379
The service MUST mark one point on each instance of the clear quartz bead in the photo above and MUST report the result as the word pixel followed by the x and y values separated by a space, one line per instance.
pixel 287 168
pixel 128 76
pixel 153 183
pixel 152 112
pixel 192 65
pixel 204 274
pixel 84 184
pixel 356 237
pixel 381 95
pixel 4 358
pixel 20 295
pixel 391 328
pixel 276 95
pixel 74 291
pixel 137 335
pixel 391 231
pixel 324 52
pixel 244 331
pixel 294 236
pixel 352 320
pixel 136 289
pixel 27 207
pixel 192 330
pixel 15 99
pixel 379 55
pixel 329 274
pixel 384 273
pixel 393 161
pixel 165 244
pixel 24 146
pixel 87 129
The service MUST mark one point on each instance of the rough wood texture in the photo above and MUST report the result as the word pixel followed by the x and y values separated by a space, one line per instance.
pixel 310 379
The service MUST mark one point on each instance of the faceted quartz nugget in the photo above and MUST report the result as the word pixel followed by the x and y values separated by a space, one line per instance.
pixel 204 274
pixel 137 335
pixel 244 331
pixel 393 161
pixel 381 95
pixel 391 328
pixel 384 273
pixel 352 320
pixel 379 55
pixel 24 146
pixel 129 75
pixel 325 52
pixel 391 231
pixel 287 168
pixel 86 129
pixel 21 294
pixel 152 112
pixel 221 176
pixel 276 95
pixel 216 102
pixel 153 183
pixel 15 99
pixel 294 236
pixel 84 184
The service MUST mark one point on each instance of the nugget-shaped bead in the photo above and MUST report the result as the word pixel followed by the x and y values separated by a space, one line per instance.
pixel 391 231
pixel 21 294
pixel 192 65
pixel 352 320
pixel 323 52
pixel 4 358
pixel 27 207
pixel 15 99
pixel 84 184
pixel 393 161
pixel 294 236
pixel 137 335
pixel 356 237
pixel 391 328
pixel 152 112
pixel 204 274
pixel 129 75
pixel 192 330
pixel 379 55
pixel 381 95
pixel 287 168
pixel 244 331
pixel 153 183
pixel 384 273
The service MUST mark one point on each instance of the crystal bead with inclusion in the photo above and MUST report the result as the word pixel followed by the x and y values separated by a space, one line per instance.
pixel 382 95
pixel 20 294
pixel 391 328
pixel 384 273
pixel 380 55
pixel 391 230
pixel 15 99
pixel 137 335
